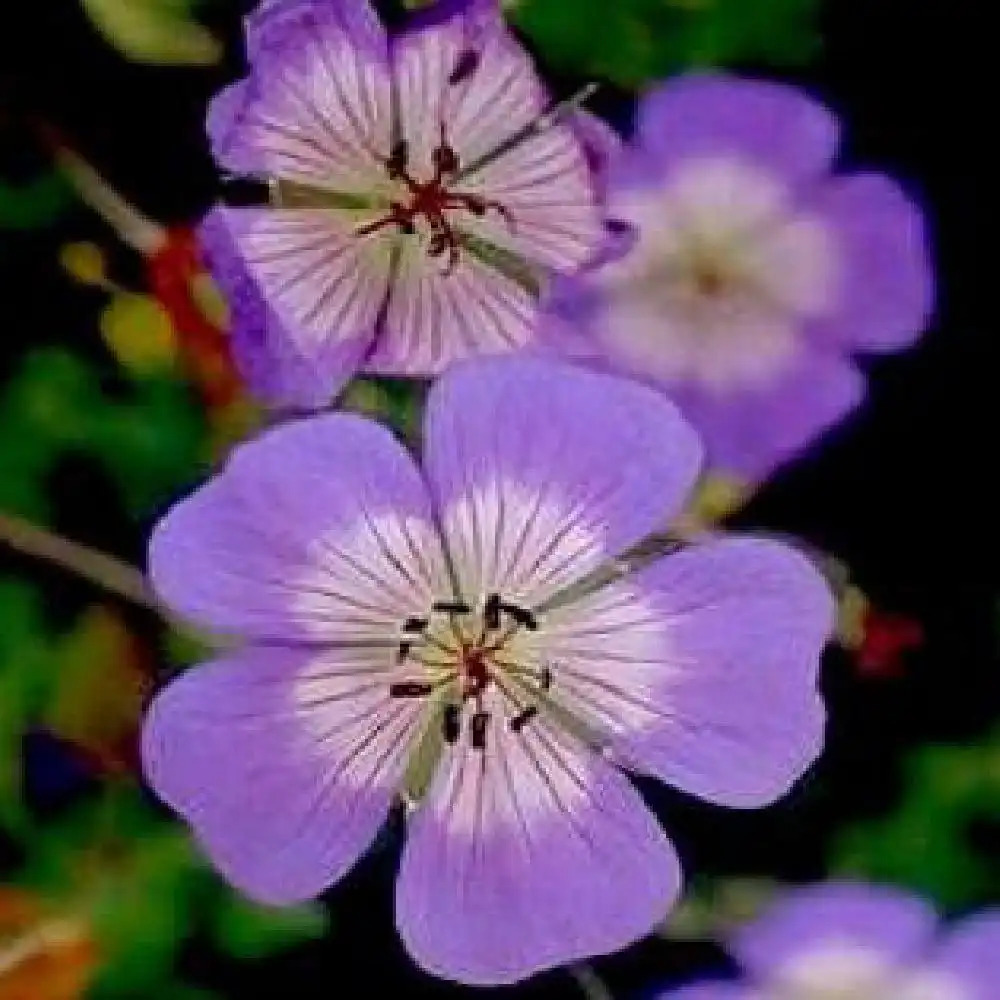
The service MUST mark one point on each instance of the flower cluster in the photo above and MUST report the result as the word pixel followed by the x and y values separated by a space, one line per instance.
pixel 488 634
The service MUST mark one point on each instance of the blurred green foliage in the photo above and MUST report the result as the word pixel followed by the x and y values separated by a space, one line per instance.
pixel 159 32
pixel 149 437
pixel 634 42
pixel 942 837
pixel 143 890
pixel 36 202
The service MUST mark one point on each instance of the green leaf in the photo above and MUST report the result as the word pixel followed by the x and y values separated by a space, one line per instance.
pixel 249 931
pixel 928 843
pixel 34 203
pixel 25 680
pixel 639 41
pixel 151 439
pixel 159 32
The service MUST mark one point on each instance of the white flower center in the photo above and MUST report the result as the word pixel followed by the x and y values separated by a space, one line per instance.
pixel 458 653
pixel 725 270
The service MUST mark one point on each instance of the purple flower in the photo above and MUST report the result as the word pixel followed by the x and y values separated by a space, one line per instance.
pixel 756 272
pixel 423 189
pixel 847 941
pixel 464 614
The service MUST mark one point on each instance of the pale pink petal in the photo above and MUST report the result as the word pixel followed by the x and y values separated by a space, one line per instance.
pixel 284 761
pixel 320 530
pixel 526 855
pixel 541 472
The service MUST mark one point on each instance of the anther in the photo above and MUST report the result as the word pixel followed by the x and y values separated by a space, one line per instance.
pixel 404 651
pixel 546 678
pixel 445 160
pixel 410 689
pixel 451 607
pixel 415 624
pixel 491 613
pixel 466 64
pixel 450 724
pixel 522 616
pixel 520 721
pixel 397 159
pixel 479 723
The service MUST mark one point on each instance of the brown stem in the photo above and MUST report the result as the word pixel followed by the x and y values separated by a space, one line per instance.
pixel 102 570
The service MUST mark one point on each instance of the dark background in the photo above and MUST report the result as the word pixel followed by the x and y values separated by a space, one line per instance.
pixel 903 493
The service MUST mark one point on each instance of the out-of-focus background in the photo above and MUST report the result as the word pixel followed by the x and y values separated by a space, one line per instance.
pixel 116 396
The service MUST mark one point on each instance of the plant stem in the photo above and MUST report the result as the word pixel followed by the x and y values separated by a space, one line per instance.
pixel 104 571
pixel 591 985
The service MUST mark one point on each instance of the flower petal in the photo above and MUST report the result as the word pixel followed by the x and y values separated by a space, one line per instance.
pixel 702 668
pixel 277 23
pixel 317 106
pixel 320 530
pixel 542 471
pixel 284 761
pixel 324 285
pixel 711 989
pixel 707 115
pixel 434 319
pixel 892 923
pixel 526 855
pixel 749 432
pixel 886 297
pixel 545 183
pixel 970 955
pixel 263 348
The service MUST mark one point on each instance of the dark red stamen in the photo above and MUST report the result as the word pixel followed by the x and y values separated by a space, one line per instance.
pixel 431 200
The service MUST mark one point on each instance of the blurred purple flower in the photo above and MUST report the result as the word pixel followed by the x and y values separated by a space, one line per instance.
pixel 423 188
pixel 851 941
pixel 386 610
pixel 756 272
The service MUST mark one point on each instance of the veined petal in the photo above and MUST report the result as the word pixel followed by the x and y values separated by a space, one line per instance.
pixel 325 284
pixel 702 668
pixel 534 492
pixel 526 855
pixel 545 183
pixel 276 23
pixel 320 530
pixel 434 319
pixel 284 761
pixel 263 346
pixel 317 105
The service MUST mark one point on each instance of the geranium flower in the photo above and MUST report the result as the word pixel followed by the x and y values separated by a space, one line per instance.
pixel 755 273
pixel 846 941
pixel 423 189
pixel 388 615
